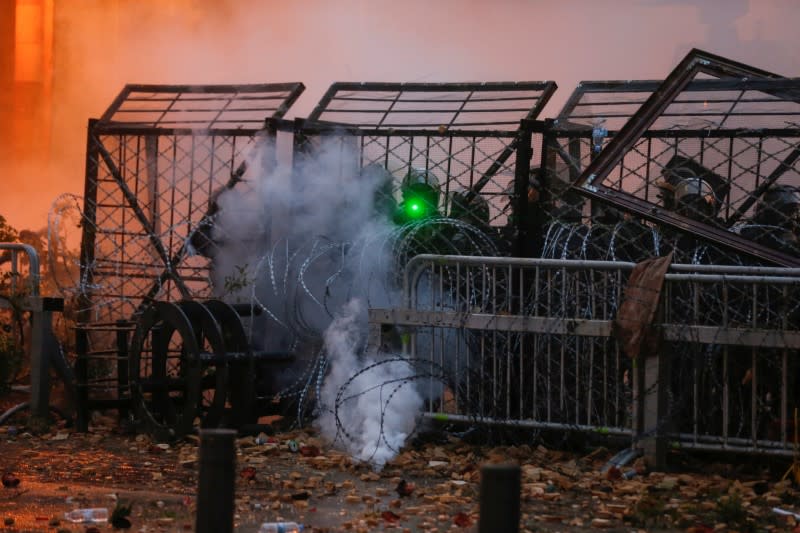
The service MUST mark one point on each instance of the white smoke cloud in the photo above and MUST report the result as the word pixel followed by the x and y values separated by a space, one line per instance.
pixel 303 240
pixel 305 233
pixel 369 406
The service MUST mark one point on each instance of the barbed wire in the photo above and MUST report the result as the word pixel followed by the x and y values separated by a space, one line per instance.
pixel 554 377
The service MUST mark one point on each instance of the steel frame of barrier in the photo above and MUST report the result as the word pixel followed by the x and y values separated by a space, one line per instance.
pixel 155 161
pixel 466 135
pixel 594 180
pixel 554 321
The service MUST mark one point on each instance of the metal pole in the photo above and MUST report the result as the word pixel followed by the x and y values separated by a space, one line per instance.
pixel 500 494
pixel 215 493
pixel 82 380
pixel 40 374
pixel 123 362
pixel 86 298
pixel 522 170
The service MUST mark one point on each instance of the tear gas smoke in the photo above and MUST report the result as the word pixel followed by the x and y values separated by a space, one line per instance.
pixel 304 242
pixel 300 240
pixel 310 243
pixel 369 407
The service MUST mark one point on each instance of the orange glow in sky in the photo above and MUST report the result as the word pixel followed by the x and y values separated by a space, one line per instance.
pixel 85 51
pixel 28 42
pixel 27 133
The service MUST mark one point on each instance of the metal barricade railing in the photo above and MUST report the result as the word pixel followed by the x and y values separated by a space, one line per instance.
pixel 11 255
pixel 528 342
pixel 23 295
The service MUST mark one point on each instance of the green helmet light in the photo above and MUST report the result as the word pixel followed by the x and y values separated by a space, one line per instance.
pixel 415 208
pixel 420 194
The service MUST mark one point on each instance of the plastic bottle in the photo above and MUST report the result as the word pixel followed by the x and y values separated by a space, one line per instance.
pixel 280 527
pixel 96 514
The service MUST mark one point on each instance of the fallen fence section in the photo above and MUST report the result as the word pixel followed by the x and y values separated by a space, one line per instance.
pixel 528 343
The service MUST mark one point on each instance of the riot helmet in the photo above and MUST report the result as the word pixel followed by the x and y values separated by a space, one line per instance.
pixel 779 206
pixel 695 198
pixel 692 190
pixel 470 208
pixel 420 194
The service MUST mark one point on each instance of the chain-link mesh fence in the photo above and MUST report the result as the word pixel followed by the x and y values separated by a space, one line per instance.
pixel 719 160
pixel 459 141
pixel 189 196
pixel 181 207
pixel 156 160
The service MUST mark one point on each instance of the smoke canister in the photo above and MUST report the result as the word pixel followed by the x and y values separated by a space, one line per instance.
pixel 88 516
pixel 280 527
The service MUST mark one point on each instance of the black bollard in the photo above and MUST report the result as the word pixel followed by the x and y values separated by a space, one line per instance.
pixel 500 490
pixel 215 492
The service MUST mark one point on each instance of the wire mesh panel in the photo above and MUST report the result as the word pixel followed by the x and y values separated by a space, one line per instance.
pixel 529 343
pixel 604 104
pixel 431 105
pixel 458 139
pixel 721 154
pixel 201 107
pixel 155 163
pixel 563 223
pixel 709 156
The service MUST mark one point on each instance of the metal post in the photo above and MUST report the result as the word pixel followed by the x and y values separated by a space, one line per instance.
pixel 522 170
pixel 215 493
pixel 81 380
pixel 500 494
pixel 123 379
pixel 152 192
pixel 88 238
pixel 40 369
pixel 654 413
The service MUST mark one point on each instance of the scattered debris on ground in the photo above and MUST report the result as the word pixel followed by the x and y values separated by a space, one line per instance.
pixel 151 486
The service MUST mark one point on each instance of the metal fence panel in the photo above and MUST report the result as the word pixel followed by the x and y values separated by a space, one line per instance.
pixel 528 342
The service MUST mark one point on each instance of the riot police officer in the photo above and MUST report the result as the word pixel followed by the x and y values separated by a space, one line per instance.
pixel 420 193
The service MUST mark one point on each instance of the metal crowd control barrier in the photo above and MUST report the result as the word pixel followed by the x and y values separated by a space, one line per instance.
pixel 528 343
pixel 25 296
